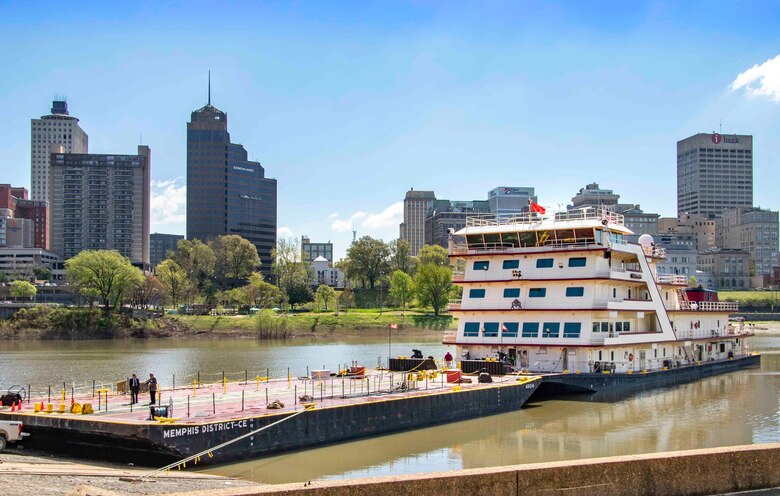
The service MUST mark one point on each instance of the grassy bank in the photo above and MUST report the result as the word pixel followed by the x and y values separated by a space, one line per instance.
pixel 270 325
pixel 752 300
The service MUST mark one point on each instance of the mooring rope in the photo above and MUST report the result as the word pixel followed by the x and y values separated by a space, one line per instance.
pixel 219 446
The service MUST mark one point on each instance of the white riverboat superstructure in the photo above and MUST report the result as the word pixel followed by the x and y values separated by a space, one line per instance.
pixel 567 293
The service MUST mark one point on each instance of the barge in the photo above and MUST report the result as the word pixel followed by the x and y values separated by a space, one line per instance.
pixel 334 409
pixel 570 297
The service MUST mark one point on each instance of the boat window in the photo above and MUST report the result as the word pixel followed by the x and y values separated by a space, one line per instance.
pixel 530 329
pixel 509 239
pixel 584 235
pixel 490 330
pixel 511 292
pixel 474 240
pixel 511 264
pixel 527 238
pixel 619 326
pixel 492 239
pixel 565 236
pixel 578 291
pixel 626 326
pixel 571 329
pixel 600 355
pixel 577 261
pixel 544 263
pixel 612 356
pixel 482 265
pixel 476 293
pixel 537 292
pixel 471 329
pixel 509 330
pixel 605 327
pixel 596 327
pixel 551 329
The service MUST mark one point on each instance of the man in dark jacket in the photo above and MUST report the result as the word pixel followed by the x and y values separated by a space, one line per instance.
pixel 135 386
pixel 152 382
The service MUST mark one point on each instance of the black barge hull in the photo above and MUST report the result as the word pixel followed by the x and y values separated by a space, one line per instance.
pixel 612 387
pixel 154 444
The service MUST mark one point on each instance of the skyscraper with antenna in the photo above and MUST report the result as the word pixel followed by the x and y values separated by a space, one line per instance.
pixel 226 192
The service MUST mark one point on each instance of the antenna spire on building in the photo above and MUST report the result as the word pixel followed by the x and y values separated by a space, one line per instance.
pixel 209 87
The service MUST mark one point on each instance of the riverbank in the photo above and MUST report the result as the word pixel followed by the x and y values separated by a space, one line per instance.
pixel 25 473
pixel 43 323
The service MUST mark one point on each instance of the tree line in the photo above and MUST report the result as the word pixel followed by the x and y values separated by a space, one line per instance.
pixel 225 270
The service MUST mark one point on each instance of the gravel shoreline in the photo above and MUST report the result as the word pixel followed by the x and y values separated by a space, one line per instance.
pixel 25 473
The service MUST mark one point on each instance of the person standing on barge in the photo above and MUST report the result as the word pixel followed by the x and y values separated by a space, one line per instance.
pixel 152 382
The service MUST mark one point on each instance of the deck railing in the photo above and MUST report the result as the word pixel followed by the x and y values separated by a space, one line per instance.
pixel 709 306
pixel 671 279
pixel 532 219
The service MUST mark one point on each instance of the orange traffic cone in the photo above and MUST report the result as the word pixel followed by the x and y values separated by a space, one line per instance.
pixel 19 408
pixel 13 407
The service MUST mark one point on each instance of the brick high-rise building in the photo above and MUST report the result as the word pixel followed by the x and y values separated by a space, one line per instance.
pixel 56 129
pixel 101 202
pixel 23 222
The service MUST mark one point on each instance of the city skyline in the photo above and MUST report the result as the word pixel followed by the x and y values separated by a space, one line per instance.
pixel 348 108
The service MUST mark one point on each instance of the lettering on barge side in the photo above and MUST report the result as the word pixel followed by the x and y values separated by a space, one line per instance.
pixel 195 430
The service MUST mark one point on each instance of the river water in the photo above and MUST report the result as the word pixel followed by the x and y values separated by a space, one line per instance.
pixel 738 408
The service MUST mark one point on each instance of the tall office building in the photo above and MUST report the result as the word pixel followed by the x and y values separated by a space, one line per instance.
pixel 59 129
pixel 714 172
pixel 507 201
pixel 412 229
pixel 754 230
pixel 444 215
pixel 226 193
pixel 594 197
pixel 101 202
pixel 160 244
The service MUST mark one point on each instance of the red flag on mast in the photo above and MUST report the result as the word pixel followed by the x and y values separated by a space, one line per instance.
pixel 535 207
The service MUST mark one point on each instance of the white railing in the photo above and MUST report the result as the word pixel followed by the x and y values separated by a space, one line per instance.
pixel 672 279
pixel 509 249
pixel 709 306
pixel 532 219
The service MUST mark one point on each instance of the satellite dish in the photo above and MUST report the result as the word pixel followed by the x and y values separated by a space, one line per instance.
pixel 646 240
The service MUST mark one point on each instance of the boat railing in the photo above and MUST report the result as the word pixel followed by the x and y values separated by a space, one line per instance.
pixel 671 279
pixel 709 306
pixel 505 248
pixel 532 219
pixel 654 251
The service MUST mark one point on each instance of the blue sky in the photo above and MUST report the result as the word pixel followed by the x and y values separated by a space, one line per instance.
pixel 350 104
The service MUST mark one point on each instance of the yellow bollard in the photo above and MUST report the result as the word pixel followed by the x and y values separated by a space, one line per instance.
pixel 257 383
pixel 195 387
pixel 62 408
pixel 49 408
pixel 38 407
pixel 87 409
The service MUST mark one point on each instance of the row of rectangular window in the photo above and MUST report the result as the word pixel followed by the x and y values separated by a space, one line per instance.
pixel 530 329
pixel 575 291
pixel 541 263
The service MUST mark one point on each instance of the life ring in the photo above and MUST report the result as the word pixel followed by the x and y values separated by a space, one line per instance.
pixel 630 357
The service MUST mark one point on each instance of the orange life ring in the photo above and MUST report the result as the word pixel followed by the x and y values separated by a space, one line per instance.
pixel 630 357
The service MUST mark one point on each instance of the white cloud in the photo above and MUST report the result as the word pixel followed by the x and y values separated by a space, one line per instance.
pixel 760 80
pixel 358 215
pixel 168 202
pixel 341 225
pixel 333 215
pixel 391 216
pixel 284 232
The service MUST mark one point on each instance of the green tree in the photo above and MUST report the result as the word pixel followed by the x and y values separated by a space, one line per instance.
pixel 401 288
pixel 433 254
pixel 175 280
pixel 197 259
pixel 292 274
pixel 368 259
pixel 105 273
pixel 324 295
pixel 260 293
pixel 400 255
pixel 347 298
pixel 299 293
pixel 146 294
pixel 23 289
pixel 236 258
pixel 42 273
pixel 433 285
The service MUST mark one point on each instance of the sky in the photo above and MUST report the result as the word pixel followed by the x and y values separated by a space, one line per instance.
pixel 350 104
